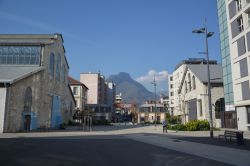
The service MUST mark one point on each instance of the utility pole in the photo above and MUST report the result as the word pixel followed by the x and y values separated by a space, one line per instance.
pixel 154 84
pixel 207 35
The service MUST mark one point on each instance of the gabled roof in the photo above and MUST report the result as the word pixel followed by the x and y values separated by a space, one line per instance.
pixel 200 71
pixel 11 74
pixel 73 81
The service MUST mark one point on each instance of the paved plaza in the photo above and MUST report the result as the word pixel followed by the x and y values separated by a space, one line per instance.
pixel 120 145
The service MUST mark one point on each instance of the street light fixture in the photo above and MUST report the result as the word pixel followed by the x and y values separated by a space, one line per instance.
pixel 154 84
pixel 207 35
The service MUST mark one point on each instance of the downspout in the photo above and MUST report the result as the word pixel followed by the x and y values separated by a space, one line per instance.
pixel 7 86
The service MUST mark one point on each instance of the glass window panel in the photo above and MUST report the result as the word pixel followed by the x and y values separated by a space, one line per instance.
pixel 20 55
pixel 243 67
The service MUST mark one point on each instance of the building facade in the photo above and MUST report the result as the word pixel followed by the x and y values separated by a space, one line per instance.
pixel 193 94
pixel 80 92
pixel 177 76
pixel 236 15
pixel 171 94
pixel 147 113
pixel 230 112
pixel 111 94
pixel 33 82
pixel 97 98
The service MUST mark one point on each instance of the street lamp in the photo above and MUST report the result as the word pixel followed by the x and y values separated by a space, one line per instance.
pixel 154 84
pixel 207 35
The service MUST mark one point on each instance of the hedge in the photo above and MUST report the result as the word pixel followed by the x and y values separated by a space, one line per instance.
pixel 194 125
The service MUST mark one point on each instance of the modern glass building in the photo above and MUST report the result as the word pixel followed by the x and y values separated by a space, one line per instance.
pixel 230 114
pixel 234 21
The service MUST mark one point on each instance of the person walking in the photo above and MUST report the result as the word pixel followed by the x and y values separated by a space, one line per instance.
pixel 164 125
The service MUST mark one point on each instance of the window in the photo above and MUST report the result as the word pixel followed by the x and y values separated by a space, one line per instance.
pixel 171 94
pixel 51 64
pixel 171 78
pixel 75 90
pixel 238 5
pixel 200 107
pixel 186 86
pixel 243 67
pixel 77 103
pixel 248 114
pixel 240 24
pixel 58 67
pixel 171 86
pixel 248 18
pixel 189 82
pixel 193 81
pixel 245 90
pixel 63 73
pixel 20 55
pixel 241 46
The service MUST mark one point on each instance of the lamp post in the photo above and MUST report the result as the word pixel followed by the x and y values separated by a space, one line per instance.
pixel 207 35
pixel 154 84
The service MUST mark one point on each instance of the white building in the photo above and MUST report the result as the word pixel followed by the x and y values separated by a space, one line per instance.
pixel 175 83
pixel 235 39
pixel 193 93
pixel 171 94
pixel 111 94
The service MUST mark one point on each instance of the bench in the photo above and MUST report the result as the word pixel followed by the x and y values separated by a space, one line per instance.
pixel 233 135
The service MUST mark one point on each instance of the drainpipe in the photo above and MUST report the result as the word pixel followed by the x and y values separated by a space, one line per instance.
pixel 7 86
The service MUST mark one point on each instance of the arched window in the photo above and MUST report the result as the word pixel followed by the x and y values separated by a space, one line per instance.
pixel 189 82
pixel 64 73
pixel 194 83
pixel 27 100
pixel 186 86
pixel 51 64
pixel 58 67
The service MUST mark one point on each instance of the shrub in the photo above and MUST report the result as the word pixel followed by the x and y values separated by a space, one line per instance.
pixel 195 125
pixel 172 119
pixel 180 127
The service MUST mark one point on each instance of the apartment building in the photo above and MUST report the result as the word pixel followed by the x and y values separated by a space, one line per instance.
pixel 34 90
pixel 171 94
pixel 80 92
pixel 234 22
pixel 97 98
pixel 111 95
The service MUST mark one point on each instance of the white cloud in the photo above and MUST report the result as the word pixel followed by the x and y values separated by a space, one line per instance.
pixel 161 76
pixel 161 79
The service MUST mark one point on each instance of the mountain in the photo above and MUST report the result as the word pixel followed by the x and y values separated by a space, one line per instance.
pixel 132 91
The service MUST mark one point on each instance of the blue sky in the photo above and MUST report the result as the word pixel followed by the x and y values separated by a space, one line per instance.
pixel 141 37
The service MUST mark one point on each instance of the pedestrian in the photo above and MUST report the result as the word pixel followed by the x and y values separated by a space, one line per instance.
pixel 164 125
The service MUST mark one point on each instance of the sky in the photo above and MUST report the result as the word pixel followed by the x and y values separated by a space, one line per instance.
pixel 145 38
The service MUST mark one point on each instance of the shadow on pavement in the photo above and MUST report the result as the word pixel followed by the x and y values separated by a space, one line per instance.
pixel 215 141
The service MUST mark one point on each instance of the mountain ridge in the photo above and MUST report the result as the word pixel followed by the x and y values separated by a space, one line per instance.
pixel 132 91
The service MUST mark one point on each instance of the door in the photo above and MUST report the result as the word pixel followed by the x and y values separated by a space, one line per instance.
pixel 27 122
pixel 192 109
